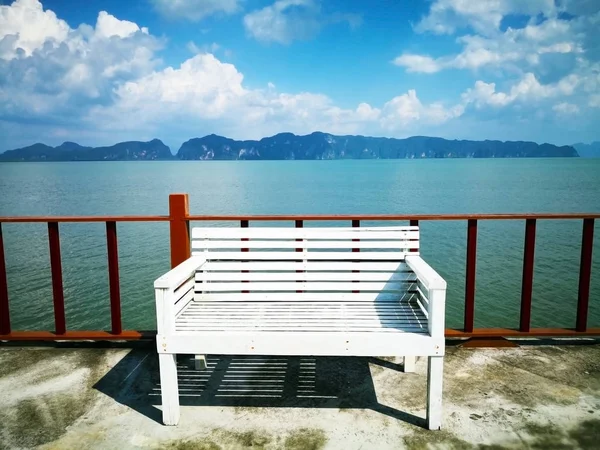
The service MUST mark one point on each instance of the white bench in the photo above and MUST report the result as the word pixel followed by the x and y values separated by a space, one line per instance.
pixel 302 291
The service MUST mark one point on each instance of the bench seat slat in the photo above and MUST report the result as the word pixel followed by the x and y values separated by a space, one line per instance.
pixel 272 316
pixel 234 297
pixel 313 302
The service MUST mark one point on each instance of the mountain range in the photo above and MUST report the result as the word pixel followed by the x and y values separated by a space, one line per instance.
pixel 71 151
pixel 288 146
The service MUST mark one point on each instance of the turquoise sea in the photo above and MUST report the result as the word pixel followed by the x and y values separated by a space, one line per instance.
pixel 299 187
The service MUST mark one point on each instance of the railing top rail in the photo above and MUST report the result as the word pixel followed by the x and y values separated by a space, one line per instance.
pixel 33 219
pixel 374 217
pixel 309 217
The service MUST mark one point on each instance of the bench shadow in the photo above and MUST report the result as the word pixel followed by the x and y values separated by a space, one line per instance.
pixel 252 381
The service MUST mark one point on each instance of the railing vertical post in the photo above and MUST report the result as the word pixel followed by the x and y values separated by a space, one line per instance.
pixel 113 277
pixel 4 306
pixel 57 281
pixel 244 224
pixel 355 224
pixel 179 228
pixel 470 275
pixel 527 282
pixel 585 271
pixel 413 223
pixel 299 224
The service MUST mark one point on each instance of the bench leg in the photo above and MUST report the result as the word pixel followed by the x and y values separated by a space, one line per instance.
pixel 200 362
pixel 409 363
pixel 169 388
pixel 435 375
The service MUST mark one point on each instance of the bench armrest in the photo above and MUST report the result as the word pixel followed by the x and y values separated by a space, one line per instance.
pixel 425 273
pixel 179 274
pixel 173 291
pixel 435 286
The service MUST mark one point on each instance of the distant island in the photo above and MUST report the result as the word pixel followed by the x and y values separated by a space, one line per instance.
pixel 288 146
pixel 588 150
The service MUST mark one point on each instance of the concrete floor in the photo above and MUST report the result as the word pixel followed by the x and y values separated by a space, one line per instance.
pixel 538 397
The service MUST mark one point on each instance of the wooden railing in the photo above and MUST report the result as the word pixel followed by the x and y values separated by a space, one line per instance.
pixel 179 220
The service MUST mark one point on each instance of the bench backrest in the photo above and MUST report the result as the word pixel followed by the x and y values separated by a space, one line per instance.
pixel 310 264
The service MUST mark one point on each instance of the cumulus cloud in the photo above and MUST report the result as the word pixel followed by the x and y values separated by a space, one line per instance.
pixel 513 50
pixel 43 27
pixel 528 89
pixel 204 88
pixel 483 16
pixel 108 26
pixel 204 48
pixel 195 10
pixel 550 64
pixel 403 110
pixel 288 20
pixel 59 72
pixel 566 109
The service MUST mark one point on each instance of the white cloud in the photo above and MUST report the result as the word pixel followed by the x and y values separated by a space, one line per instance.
pixel 528 89
pixel 419 63
pixel 284 21
pixel 57 74
pixel 566 109
pixel 287 20
pixel 25 25
pixel 512 50
pixel 108 26
pixel 549 64
pixel 195 10
pixel 206 90
pixel 483 16
pixel 204 48
pixel 403 110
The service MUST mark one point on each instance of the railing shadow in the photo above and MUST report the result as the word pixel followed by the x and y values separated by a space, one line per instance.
pixel 252 381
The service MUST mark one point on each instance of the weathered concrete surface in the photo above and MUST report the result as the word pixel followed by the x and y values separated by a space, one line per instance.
pixel 539 397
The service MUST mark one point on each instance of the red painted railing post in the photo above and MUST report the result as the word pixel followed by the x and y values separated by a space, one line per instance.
pixel 355 224
pixel 4 306
pixel 113 277
pixel 470 275
pixel 527 282
pixel 179 227
pixel 58 294
pixel 585 272
pixel 245 224
pixel 299 224
pixel 413 223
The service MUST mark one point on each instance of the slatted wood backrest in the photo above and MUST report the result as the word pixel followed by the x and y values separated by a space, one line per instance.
pixel 313 264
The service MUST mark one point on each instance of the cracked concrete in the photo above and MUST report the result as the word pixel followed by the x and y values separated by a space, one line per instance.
pixel 536 397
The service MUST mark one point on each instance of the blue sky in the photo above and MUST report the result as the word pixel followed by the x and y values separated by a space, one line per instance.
pixel 107 71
